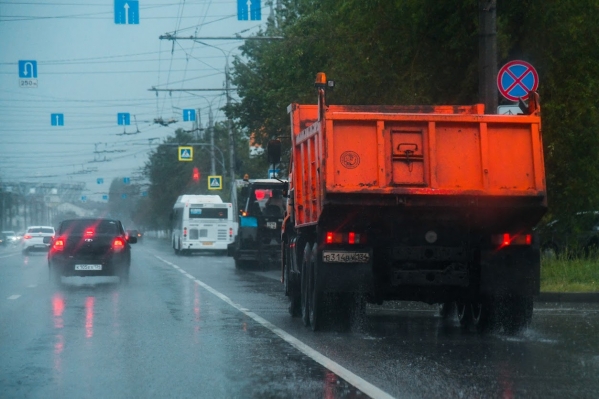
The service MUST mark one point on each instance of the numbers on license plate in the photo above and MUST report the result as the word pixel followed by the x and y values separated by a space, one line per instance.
pixel 88 267
pixel 271 225
pixel 346 257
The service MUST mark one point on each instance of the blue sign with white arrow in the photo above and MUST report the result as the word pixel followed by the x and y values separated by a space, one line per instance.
pixel 126 180
pixel 100 180
pixel 124 118
pixel 126 12
pixel 57 119
pixel 249 10
pixel 189 115
pixel 27 69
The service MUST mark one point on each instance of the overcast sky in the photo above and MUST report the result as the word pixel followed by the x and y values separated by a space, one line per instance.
pixel 90 69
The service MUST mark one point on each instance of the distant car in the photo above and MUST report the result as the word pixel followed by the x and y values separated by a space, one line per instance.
pixel 37 238
pixel 8 237
pixel 135 233
pixel 90 247
pixel 577 235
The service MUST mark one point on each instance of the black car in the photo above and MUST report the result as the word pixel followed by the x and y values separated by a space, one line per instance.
pixel 578 234
pixel 90 247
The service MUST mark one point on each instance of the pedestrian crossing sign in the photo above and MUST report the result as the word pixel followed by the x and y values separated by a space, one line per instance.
pixel 185 153
pixel 215 182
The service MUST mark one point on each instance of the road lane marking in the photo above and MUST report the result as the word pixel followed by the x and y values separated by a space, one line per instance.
pixel 8 256
pixel 318 357
pixel 12 297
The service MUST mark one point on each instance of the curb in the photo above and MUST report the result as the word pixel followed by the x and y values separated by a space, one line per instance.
pixel 578 297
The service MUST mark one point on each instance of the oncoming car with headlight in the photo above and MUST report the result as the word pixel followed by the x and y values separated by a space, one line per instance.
pixel 90 247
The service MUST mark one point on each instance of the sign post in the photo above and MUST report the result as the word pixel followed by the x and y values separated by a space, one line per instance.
pixel 515 79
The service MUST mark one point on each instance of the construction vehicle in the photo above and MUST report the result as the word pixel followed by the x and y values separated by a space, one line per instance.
pixel 416 203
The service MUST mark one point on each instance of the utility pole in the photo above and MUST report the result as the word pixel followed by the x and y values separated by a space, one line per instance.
pixel 487 54
pixel 211 127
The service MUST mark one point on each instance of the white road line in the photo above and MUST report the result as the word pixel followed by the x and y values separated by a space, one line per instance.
pixel 13 297
pixel 335 367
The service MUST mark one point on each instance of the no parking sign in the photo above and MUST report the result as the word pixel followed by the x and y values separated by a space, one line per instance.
pixel 515 79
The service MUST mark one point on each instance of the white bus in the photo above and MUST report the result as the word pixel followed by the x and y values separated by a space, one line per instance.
pixel 202 222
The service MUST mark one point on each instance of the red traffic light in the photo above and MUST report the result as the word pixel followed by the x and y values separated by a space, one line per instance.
pixel 196 174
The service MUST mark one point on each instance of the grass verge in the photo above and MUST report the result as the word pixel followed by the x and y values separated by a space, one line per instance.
pixel 567 273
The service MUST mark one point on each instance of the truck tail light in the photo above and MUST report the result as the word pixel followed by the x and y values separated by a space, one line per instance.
pixel 350 238
pixel 118 244
pixel 185 232
pixel 58 244
pixel 507 239
pixel 230 232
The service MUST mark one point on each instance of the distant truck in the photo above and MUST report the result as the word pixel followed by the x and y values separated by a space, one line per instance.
pixel 418 203
pixel 262 204
pixel 202 223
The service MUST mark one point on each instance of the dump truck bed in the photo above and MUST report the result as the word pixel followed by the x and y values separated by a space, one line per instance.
pixel 393 154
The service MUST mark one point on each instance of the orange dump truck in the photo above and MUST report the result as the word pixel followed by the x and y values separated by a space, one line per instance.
pixel 419 203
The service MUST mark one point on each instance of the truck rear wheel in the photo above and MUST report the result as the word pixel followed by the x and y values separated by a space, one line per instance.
pixel 517 313
pixel 305 293
pixel 291 288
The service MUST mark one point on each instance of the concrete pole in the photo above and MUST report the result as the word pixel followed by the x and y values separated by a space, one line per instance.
pixel 487 55
pixel 211 127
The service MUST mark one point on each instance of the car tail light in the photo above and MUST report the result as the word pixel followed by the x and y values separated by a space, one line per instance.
pixel 27 236
pixel 58 244
pixel 89 232
pixel 350 238
pixel 506 239
pixel 118 244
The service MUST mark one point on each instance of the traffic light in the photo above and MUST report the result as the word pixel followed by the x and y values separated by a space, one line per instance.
pixel 196 174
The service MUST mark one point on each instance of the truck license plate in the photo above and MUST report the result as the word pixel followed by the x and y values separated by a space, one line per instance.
pixel 88 267
pixel 207 243
pixel 345 257
pixel 271 225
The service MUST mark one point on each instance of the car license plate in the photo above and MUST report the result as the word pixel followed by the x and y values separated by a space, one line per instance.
pixel 207 243
pixel 345 257
pixel 88 267
pixel 271 225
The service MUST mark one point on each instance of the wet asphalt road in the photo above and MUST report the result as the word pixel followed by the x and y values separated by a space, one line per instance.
pixel 196 327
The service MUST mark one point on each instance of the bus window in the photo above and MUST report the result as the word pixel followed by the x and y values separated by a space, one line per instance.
pixel 208 213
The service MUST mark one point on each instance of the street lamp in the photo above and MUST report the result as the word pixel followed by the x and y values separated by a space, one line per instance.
pixel 229 127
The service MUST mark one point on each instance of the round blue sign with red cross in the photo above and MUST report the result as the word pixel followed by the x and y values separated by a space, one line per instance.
pixel 515 79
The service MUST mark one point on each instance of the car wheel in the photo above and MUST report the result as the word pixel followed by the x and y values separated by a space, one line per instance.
pixel 463 313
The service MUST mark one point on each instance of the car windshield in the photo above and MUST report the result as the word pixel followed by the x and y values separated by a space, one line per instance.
pixel 299 199
pixel 45 230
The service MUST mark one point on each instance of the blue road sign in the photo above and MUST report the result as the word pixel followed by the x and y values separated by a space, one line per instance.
pixel 126 180
pixel 273 173
pixel 83 198
pixel 100 180
pixel 126 12
pixel 27 69
pixel 249 10
pixel 124 118
pixel 124 196
pixel 57 119
pixel 189 115
pixel 515 79
pixel 105 197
